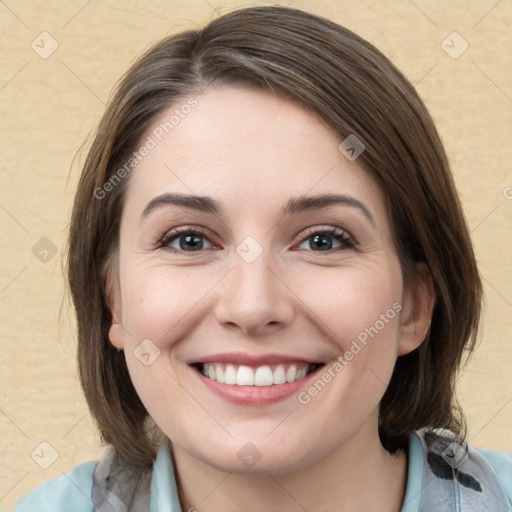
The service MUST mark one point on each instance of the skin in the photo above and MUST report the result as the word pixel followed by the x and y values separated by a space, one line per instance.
pixel 252 151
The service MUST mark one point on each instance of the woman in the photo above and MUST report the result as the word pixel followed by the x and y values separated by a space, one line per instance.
pixel 274 284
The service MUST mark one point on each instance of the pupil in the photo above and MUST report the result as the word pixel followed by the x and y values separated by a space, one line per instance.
pixel 194 242
pixel 323 241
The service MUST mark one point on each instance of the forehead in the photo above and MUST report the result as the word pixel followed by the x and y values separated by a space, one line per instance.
pixel 244 146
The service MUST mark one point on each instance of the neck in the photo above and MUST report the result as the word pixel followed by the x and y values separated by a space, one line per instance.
pixel 359 475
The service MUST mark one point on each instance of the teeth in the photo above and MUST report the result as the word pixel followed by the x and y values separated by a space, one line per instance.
pixel 244 376
pixel 280 376
pixel 219 374
pixel 229 374
pixel 291 373
pixel 301 373
pixel 261 376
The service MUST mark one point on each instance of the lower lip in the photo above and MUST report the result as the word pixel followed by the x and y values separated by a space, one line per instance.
pixel 255 395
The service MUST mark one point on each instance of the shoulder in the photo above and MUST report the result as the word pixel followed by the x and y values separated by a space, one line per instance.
pixel 71 491
pixel 502 464
pixel 480 479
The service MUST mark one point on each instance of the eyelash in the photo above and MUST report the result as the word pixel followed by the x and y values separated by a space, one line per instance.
pixel 176 233
pixel 346 241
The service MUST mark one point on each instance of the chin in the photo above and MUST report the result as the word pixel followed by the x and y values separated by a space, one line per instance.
pixel 246 455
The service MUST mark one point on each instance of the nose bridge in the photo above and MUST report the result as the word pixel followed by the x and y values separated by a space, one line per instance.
pixel 253 297
pixel 252 278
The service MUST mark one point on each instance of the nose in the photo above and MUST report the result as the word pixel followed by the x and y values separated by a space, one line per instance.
pixel 254 298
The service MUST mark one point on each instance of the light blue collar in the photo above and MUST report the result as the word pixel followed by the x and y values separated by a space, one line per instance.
pixel 414 475
pixel 164 492
pixel 442 475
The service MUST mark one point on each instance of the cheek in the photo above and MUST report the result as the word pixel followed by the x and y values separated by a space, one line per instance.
pixel 157 302
pixel 159 309
pixel 358 309
pixel 353 299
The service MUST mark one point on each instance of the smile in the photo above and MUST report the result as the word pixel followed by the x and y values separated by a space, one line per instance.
pixel 258 380
pixel 254 379
pixel 264 375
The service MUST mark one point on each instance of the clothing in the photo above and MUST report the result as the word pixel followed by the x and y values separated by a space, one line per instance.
pixel 443 476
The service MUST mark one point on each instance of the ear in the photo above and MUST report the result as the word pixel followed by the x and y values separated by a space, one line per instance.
pixel 418 305
pixel 113 296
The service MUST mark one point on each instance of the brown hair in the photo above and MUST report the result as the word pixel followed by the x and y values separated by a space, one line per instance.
pixel 356 90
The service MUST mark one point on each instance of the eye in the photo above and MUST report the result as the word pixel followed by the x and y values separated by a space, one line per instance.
pixel 186 239
pixel 327 239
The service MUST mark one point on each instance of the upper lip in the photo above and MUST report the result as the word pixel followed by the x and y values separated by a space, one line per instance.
pixel 239 358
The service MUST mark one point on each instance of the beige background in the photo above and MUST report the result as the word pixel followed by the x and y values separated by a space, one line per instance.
pixel 49 106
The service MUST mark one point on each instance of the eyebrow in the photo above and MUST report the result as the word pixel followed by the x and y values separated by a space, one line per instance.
pixel 307 203
pixel 199 203
pixel 294 205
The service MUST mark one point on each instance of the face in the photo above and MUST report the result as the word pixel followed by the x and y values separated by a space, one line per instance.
pixel 259 321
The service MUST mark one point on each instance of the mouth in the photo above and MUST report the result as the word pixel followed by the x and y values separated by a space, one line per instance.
pixel 258 380
pixel 257 376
